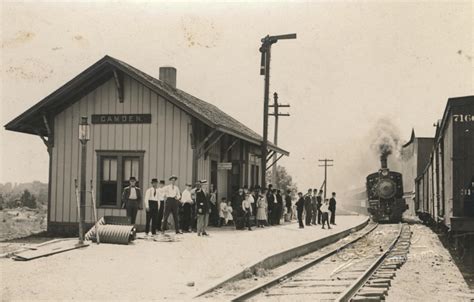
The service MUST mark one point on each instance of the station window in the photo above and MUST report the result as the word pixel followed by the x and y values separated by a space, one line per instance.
pixel 114 171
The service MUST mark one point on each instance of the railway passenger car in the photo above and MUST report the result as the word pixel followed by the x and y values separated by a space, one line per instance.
pixel 445 188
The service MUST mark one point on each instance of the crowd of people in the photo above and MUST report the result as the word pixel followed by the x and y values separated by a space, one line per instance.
pixel 195 207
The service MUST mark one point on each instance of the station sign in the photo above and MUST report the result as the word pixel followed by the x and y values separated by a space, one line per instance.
pixel 224 166
pixel 121 119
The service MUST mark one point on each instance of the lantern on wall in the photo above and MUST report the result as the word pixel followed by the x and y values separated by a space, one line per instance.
pixel 84 130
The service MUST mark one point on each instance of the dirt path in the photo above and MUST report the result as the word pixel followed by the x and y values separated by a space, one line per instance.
pixel 430 273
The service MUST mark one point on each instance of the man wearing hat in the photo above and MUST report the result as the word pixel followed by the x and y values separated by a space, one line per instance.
pixel 186 202
pixel 132 199
pixel 152 205
pixel 203 209
pixel 172 197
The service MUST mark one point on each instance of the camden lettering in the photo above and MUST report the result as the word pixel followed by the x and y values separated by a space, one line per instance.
pixel 121 119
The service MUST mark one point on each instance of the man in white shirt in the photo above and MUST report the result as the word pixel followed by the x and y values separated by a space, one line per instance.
pixel 152 205
pixel 186 202
pixel 161 200
pixel 172 197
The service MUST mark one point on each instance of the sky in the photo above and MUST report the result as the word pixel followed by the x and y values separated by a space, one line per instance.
pixel 353 64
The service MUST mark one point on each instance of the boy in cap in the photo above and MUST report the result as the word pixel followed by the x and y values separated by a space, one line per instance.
pixel 131 199
pixel 151 207
pixel 172 197
pixel 203 209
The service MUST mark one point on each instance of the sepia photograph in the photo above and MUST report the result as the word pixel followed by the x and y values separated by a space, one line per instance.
pixel 241 150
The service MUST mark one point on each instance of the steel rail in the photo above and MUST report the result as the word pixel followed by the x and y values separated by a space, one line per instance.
pixel 259 288
pixel 352 290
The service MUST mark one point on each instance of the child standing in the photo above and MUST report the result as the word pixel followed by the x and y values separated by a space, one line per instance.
pixel 325 213
pixel 261 210
pixel 247 208
pixel 228 215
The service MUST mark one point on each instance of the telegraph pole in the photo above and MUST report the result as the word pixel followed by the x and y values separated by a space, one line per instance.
pixel 265 50
pixel 327 163
pixel 276 113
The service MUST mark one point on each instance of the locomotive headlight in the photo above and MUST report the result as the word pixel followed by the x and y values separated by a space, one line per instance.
pixel 384 172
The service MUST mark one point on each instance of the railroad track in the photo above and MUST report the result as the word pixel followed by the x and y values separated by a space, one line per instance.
pixel 360 270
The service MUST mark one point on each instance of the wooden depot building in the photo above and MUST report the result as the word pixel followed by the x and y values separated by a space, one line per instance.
pixel 139 126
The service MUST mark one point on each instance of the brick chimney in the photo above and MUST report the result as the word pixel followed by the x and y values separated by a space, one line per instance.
pixel 168 75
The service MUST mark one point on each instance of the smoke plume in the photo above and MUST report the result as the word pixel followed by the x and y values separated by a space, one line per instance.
pixel 385 138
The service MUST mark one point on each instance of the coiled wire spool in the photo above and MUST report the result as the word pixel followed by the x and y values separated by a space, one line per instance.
pixel 118 234
pixel 90 235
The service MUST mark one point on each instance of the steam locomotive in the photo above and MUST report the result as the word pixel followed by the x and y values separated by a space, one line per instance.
pixel 385 195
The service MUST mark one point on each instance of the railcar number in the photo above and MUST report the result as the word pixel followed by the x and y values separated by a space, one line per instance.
pixel 463 118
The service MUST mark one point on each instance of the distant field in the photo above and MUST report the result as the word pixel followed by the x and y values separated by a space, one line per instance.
pixel 21 222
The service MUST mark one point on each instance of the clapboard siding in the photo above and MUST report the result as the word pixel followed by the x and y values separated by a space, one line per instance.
pixel 166 142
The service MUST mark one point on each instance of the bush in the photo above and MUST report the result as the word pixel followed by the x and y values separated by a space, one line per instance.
pixel 28 200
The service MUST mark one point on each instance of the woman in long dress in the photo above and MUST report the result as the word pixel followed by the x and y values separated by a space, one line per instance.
pixel 262 210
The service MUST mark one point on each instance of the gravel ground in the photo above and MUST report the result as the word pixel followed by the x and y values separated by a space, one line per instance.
pixel 21 222
pixel 430 273
pixel 149 270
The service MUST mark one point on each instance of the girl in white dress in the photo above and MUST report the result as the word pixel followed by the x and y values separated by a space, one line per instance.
pixel 262 210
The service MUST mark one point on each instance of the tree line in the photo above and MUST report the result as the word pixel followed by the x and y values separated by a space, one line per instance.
pixel 32 195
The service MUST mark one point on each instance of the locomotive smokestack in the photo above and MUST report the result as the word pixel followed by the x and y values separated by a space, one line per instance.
pixel 383 161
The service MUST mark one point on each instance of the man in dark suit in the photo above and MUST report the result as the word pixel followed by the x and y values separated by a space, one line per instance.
pixel 279 207
pixel 237 207
pixel 203 209
pixel 271 205
pixel 132 199
pixel 307 207
pixel 288 205
pixel 332 208
pixel 299 209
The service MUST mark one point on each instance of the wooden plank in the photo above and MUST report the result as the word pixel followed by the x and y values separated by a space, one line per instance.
pixel 183 147
pixel 54 174
pixel 175 139
pixel 168 139
pixel 129 96
pixel 96 132
pixel 86 110
pixel 48 250
pixel 144 143
pixel 134 99
pixel 189 154
pixel 72 142
pixel 108 97
pixel 161 138
pixel 61 152
pixel 112 108
pixel 75 163
pixel 120 108
pixel 153 140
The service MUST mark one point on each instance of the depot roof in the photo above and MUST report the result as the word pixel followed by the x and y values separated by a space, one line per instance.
pixel 31 121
